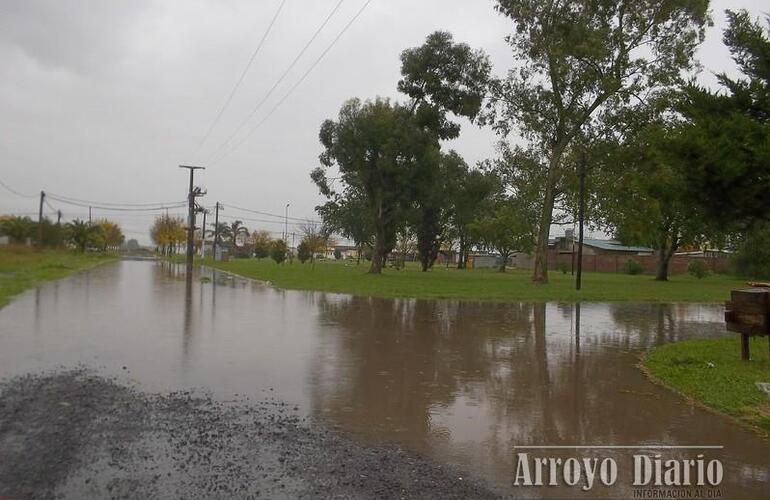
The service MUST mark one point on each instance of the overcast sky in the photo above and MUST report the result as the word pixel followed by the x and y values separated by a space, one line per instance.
pixel 101 100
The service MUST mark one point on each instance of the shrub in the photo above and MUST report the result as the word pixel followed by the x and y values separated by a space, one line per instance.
pixel 562 266
pixel 278 251
pixel 698 269
pixel 303 252
pixel 752 256
pixel 633 267
pixel 337 254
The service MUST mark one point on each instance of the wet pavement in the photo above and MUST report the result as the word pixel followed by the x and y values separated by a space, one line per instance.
pixel 463 383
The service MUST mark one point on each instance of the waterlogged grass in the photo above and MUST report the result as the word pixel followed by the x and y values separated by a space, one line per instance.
pixel 712 373
pixel 23 267
pixel 487 284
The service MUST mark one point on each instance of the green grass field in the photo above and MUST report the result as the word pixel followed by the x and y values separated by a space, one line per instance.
pixel 487 284
pixel 712 373
pixel 23 267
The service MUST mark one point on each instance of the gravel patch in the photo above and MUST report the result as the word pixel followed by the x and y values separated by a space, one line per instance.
pixel 73 434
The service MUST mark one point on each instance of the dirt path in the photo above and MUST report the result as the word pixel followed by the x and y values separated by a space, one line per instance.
pixel 72 434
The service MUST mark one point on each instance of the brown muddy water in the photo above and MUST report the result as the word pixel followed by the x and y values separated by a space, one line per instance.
pixel 465 383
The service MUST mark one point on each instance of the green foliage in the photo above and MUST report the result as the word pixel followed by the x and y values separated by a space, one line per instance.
pixel 698 269
pixel 562 267
pixel 82 234
pixel 377 148
pixel 642 191
pixel 18 229
pixel 443 77
pixel 633 267
pixel 726 137
pixel 278 251
pixel 506 229
pixel 578 63
pixel 232 231
pixel 262 242
pixel 337 254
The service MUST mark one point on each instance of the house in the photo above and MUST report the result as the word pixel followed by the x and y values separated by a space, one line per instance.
pixel 486 260
pixel 593 246
pixel 346 251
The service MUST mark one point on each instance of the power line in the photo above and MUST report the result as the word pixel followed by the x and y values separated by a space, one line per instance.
pixel 277 82
pixel 109 203
pixel 240 79
pixel 17 193
pixel 299 82
pixel 118 209
pixel 258 212
pixel 265 221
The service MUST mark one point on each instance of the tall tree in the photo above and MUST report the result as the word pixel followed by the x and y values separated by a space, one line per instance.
pixel 470 194
pixel 726 135
pixel 376 147
pixel 577 61
pixel 233 231
pixel 441 78
pixel 643 196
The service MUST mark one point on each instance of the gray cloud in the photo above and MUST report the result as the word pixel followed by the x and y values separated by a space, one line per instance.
pixel 103 99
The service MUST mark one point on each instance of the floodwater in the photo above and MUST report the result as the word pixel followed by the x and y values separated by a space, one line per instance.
pixel 465 383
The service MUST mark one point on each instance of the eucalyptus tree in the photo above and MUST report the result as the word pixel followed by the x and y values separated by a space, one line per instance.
pixel 376 146
pixel 442 79
pixel 577 62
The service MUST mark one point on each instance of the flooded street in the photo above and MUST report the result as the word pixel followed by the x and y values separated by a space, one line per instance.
pixel 462 383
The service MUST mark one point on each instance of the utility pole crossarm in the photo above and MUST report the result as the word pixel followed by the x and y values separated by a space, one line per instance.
pixel 191 195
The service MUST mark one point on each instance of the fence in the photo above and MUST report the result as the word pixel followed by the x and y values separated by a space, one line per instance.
pixel 616 263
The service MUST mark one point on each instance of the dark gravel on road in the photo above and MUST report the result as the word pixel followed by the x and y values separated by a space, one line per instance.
pixel 73 434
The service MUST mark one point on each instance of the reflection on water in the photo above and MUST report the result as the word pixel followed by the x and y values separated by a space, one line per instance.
pixel 463 382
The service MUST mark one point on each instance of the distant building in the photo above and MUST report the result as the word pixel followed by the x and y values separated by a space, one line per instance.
pixel 592 246
pixel 346 251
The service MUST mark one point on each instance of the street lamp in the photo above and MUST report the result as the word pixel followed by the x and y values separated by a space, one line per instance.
pixel 286 223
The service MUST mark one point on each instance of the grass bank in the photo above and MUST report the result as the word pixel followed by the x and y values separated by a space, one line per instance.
pixel 487 284
pixel 711 373
pixel 23 267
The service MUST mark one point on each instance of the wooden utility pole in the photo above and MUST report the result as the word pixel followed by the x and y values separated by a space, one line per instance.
pixel 216 231
pixel 40 221
pixel 89 216
pixel 581 216
pixel 191 194
pixel 203 234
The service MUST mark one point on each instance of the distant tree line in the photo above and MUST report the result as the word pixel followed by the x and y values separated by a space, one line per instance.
pixel 101 235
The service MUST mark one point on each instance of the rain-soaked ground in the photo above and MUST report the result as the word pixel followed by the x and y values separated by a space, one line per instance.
pixel 462 383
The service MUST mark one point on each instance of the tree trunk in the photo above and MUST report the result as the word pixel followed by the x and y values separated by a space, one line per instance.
pixel 504 256
pixel 462 252
pixel 540 271
pixel 663 260
pixel 378 251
